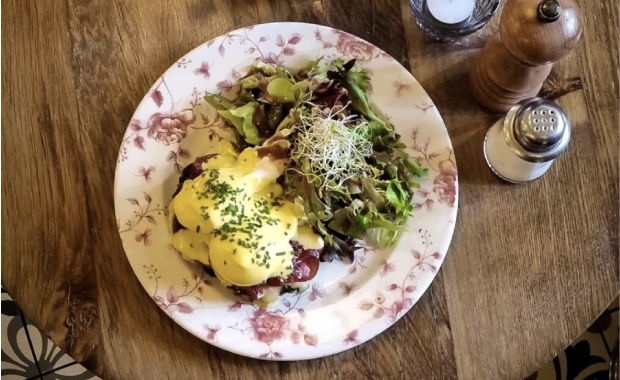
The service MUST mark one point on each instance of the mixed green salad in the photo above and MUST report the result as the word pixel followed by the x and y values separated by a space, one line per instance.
pixel 348 170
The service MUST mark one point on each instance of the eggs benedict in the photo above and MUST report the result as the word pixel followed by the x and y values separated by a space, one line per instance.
pixel 229 215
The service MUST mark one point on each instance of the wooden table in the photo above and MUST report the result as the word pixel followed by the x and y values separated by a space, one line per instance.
pixel 529 268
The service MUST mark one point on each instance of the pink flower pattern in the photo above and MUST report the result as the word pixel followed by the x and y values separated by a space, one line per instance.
pixel 444 187
pixel 347 287
pixel 351 46
pixel 424 106
pixel 351 338
pixel 386 267
pixel 273 324
pixel 183 62
pixel 203 70
pixel 400 87
pixel 359 257
pixel 175 301
pixel 254 47
pixel 148 213
pixel 268 326
pixel 316 292
pixel 147 173
pixel 144 237
pixel 169 128
pixel 445 183
pixel 212 332
pixel 394 309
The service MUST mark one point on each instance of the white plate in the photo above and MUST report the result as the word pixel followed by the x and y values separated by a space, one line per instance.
pixel 347 303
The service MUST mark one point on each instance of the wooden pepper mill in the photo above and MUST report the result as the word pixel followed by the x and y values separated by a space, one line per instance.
pixel 533 34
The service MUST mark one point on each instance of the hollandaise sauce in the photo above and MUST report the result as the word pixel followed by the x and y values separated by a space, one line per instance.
pixel 236 221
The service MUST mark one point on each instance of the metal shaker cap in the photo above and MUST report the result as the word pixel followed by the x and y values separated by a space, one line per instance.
pixel 537 130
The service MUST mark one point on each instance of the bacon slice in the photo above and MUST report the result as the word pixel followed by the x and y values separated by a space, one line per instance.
pixel 305 267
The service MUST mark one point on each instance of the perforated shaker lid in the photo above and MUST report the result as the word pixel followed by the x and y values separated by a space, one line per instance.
pixel 537 130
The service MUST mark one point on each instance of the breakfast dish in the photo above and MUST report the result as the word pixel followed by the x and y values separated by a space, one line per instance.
pixel 308 142
pixel 316 169
pixel 229 216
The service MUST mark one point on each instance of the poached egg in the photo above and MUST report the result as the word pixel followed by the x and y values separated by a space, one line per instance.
pixel 236 221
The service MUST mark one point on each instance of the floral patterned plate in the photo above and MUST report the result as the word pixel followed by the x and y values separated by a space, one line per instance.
pixel 347 304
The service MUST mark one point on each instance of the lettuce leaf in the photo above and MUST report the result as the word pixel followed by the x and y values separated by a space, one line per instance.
pixel 281 90
pixel 241 119
pixel 357 83
pixel 270 69
pixel 219 102
pixel 414 168
pixel 368 218
pixel 381 237
pixel 396 196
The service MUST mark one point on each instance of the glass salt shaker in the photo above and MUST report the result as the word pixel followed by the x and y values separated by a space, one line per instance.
pixel 522 146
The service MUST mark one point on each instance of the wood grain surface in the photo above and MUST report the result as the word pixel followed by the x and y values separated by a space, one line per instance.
pixel 530 266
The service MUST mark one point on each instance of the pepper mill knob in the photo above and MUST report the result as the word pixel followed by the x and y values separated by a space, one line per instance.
pixel 549 10
pixel 533 34
pixel 540 32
